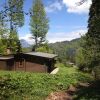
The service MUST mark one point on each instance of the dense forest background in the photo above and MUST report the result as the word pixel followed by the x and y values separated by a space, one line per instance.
pixel 66 50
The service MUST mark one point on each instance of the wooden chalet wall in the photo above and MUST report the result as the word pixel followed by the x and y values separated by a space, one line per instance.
pixel 26 62
pixel 6 63
pixel 29 63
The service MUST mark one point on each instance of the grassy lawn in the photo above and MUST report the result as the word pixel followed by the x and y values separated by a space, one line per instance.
pixel 37 86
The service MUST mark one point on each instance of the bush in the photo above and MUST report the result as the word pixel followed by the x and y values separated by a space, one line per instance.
pixel 44 48
pixel 97 72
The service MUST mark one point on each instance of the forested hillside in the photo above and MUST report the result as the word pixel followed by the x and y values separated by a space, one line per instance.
pixel 66 50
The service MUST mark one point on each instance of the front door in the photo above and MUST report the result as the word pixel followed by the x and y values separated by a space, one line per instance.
pixel 20 65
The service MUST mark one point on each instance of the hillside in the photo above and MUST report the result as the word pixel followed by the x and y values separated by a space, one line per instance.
pixel 37 86
pixel 66 49
pixel 24 43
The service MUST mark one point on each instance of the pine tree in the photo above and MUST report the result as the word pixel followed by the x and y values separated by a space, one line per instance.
pixel 39 23
pixel 92 39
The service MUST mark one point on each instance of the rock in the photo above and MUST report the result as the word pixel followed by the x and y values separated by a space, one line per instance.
pixel 55 71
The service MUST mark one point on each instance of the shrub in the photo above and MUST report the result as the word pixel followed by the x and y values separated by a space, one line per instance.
pixel 97 72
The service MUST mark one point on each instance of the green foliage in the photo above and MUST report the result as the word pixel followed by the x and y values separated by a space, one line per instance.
pixel 8 40
pixel 13 41
pixel 20 85
pixel 80 59
pixel 28 49
pixel 97 72
pixel 1 20
pixel 12 17
pixel 16 16
pixel 44 48
pixel 91 45
pixel 39 22
pixel 2 48
pixel 3 39
pixel 15 13
pixel 66 50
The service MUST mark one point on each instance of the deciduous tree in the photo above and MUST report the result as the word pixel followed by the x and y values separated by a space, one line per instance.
pixel 13 15
pixel 39 22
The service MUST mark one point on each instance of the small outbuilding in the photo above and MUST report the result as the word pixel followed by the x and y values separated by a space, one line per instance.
pixel 31 62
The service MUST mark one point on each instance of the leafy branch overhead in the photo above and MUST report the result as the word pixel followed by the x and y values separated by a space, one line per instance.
pixel 12 17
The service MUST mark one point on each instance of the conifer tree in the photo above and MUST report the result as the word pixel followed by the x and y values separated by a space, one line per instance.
pixel 92 38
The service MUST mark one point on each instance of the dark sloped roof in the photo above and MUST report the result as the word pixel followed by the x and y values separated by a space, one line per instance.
pixel 41 54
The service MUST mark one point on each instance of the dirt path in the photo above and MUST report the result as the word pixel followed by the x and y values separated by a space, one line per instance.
pixel 66 95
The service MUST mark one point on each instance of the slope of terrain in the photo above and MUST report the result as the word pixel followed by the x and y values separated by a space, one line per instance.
pixel 37 86
pixel 66 50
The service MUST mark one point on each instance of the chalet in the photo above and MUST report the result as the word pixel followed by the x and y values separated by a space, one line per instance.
pixel 31 62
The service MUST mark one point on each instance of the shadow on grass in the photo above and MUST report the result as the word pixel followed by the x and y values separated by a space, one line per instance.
pixel 90 92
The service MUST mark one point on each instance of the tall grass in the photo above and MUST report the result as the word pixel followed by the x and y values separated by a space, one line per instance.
pixel 37 86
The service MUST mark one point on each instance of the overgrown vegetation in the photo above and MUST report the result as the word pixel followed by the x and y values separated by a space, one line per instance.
pixel 91 41
pixel 15 85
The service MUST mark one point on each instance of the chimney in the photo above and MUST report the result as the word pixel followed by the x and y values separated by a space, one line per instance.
pixel 8 51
